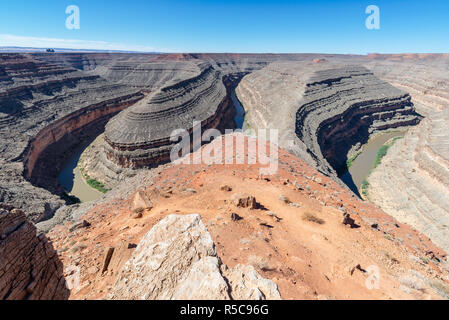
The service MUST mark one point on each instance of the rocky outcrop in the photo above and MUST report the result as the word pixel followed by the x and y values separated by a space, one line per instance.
pixel 46 110
pixel 177 260
pixel 330 107
pixel 343 106
pixel 140 136
pixel 412 181
pixel 29 266
pixel 310 236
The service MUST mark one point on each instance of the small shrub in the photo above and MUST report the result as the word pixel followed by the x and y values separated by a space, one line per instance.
pixel 260 262
pixel 79 247
pixel 138 210
pixel 364 187
pixel 308 216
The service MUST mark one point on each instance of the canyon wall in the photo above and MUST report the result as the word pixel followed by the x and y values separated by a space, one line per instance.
pixel 140 136
pixel 412 181
pixel 323 109
pixel 343 106
pixel 29 266
pixel 43 106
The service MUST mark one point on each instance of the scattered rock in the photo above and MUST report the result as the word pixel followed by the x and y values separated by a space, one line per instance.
pixel 294 204
pixel 266 225
pixel 141 201
pixel 137 215
pixel 272 214
pixel 235 217
pixel 357 267
pixel 225 188
pixel 247 284
pixel 298 186
pixel 347 220
pixel 244 201
pixel 107 259
pixel 284 199
pixel 189 191
pixel 177 259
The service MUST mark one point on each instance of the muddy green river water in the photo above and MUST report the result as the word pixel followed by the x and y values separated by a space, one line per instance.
pixel 73 182
pixel 363 164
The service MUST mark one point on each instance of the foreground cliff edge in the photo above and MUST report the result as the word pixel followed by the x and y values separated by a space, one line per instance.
pixel 293 235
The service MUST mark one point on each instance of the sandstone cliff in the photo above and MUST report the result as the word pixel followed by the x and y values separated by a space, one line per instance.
pixel 330 107
pixel 412 182
pixel 29 266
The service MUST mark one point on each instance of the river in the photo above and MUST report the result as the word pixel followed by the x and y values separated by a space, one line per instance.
pixel 73 182
pixel 363 164
pixel 239 117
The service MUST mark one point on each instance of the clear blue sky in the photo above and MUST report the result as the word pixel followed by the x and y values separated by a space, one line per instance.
pixel 230 26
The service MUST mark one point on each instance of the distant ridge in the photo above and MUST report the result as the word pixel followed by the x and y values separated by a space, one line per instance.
pixel 32 49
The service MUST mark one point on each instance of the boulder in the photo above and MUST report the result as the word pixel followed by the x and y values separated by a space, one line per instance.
pixel 177 260
pixel 243 200
pixel 141 201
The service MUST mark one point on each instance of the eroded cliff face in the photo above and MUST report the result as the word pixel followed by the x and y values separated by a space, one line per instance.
pixel 29 266
pixel 412 182
pixel 330 107
pixel 43 108
pixel 343 106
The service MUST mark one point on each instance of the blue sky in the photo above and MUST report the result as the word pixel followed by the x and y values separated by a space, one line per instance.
pixel 229 26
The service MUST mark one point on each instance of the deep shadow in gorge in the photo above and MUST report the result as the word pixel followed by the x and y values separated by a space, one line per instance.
pixel 49 163
pixel 54 145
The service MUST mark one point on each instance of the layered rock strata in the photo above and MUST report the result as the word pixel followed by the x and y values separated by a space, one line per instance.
pixel 44 109
pixel 29 266
pixel 140 136
pixel 343 106
pixel 412 181
pixel 329 107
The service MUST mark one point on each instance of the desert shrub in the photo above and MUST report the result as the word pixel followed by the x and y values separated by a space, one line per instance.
pixel 309 216
pixel 138 210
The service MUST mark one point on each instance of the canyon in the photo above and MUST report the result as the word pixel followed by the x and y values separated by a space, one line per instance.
pixel 325 108
pixel 411 183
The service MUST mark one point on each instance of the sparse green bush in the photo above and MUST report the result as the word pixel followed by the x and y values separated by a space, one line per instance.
pixel 351 160
pixel 94 183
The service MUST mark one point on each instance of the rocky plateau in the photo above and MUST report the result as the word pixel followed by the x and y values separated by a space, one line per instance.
pixel 223 231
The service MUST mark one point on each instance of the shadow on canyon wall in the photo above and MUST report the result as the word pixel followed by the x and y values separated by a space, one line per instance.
pixel 30 268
